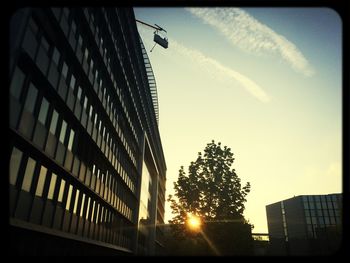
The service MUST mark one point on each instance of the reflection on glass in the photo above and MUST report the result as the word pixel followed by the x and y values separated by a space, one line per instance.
pixel 28 176
pixel 63 131
pixel 72 82
pixel 69 197
pixel 71 140
pixel 52 186
pixel 41 181
pixel 60 195
pixel 56 56
pixel 88 208
pixel 65 70
pixel 145 195
pixel 76 202
pixel 43 111
pixel 15 162
pixel 82 205
pixel 79 92
pixel 31 98
pixel 93 211
pixel 97 213
pixel 17 83
pixel 54 122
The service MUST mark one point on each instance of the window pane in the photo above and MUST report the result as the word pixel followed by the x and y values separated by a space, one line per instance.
pixel 79 93
pixel 15 162
pixel 335 205
pixel 76 202
pixel 60 195
pixel 69 196
pixel 97 213
pixel 56 56
pixel 93 211
pixel 74 27
pixel 45 44
pixel 52 186
pixel 85 102
pixel 72 82
pixel 43 111
pixel 41 181
pixel 28 176
pixel 65 70
pixel 33 26
pixel 63 131
pixel 71 139
pixel 31 98
pixel 88 208
pixel 54 122
pixel 17 82
pixel 82 206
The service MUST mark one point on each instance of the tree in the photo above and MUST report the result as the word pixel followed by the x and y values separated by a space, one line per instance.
pixel 211 190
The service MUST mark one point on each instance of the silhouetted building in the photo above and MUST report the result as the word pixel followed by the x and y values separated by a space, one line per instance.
pixel 305 225
pixel 87 170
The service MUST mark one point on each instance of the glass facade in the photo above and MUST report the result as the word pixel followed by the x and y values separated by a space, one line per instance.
pixel 79 108
pixel 321 212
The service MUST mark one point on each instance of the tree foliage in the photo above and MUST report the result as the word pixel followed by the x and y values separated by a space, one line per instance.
pixel 211 189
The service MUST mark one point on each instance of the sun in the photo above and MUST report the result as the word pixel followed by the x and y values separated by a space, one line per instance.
pixel 194 222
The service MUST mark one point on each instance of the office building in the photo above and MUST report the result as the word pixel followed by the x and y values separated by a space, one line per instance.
pixel 86 165
pixel 305 225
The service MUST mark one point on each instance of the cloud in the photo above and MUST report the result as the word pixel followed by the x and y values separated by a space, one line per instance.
pixel 219 71
pixel 247 33
pixel 212 67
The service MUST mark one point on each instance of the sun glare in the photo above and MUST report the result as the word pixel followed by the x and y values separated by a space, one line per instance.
pixel 194 222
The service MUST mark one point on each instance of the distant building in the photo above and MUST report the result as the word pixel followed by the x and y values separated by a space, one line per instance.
pixel 305 225
pixel 261 243
pixel 86 165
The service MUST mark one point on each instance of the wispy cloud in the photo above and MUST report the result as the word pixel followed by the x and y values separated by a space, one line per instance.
pixel 219 71
pixel 247 33
pixel 211 66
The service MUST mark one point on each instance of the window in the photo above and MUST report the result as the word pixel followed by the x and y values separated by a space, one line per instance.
pixel 85 102
pixel 31 98
pixel 17 83
pixel 15 162
pixel 28 175
pixel 43 111
pixel 52 186
pixel 54 122
pixel 69 197
pixel 80 40
pixel 86 53
pixel 63 131
pixel 97 213
pixel 72 82
pixel 64 70
pixel 76 202
pixel 74 27
pixel 71 140
pixel 88 208
pixel 45 44
pixel 56 56
pixel 312 205
pixel 61 192
pixel 79 93
pixel 93 211
pixel 33 26
pixel 41 181
pixel 335 204
pixel 91 110
pixel 82 205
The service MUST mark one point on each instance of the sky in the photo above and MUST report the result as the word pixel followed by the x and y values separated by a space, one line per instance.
pixel 266 82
